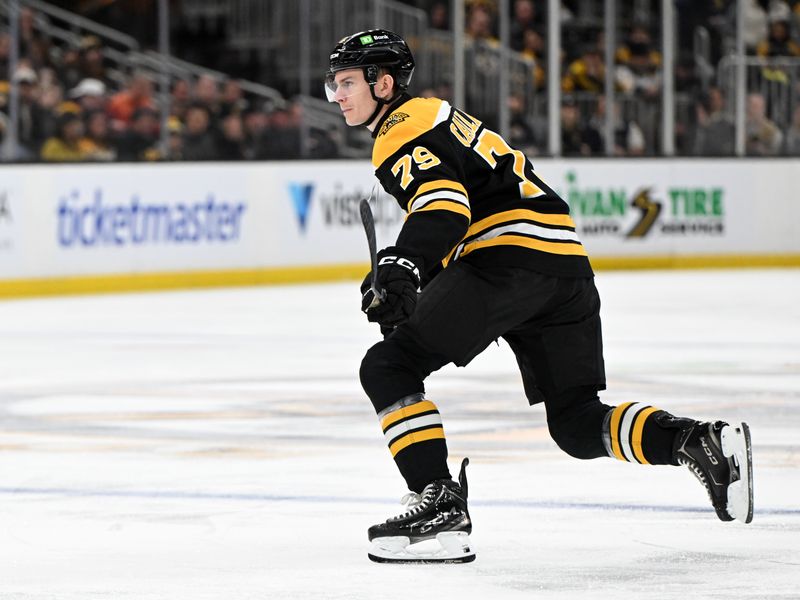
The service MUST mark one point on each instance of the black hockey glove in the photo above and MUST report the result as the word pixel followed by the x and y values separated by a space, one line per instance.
pixel 398 277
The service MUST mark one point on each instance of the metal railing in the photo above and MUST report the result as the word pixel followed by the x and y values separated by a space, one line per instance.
pixel 299 35
pixel 64 21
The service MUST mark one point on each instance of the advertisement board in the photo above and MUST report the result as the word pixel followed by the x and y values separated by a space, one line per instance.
pixel 73 221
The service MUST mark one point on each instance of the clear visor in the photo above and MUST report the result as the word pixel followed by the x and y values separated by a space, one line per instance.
pixel 345 85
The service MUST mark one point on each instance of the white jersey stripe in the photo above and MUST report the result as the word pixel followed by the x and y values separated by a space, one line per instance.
pixel 530 229
pixel 442 115
pixel 405 426
pixel 625 431
pixel 421 201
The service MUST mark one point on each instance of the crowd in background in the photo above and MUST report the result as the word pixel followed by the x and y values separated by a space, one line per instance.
pixel 705 127
pixel 70 109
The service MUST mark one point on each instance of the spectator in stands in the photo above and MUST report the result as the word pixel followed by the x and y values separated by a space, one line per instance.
pixel 629 139
pixel 198 139
pixel 33 119
pixel 92 59
pixel 716 132
pixel 792 146
pixel 69 71
pixel 755 24
pixel 479 24
pixel 51 101
pixel 90 94
pixel 639 64
pixel 534 49
pixel 439 16
pixel 5 49
pixel 34 45
pixel 96 143
pixel 138 95
pixel 180 98
pixel 232 100
pixel 577 138
pixel 282 135
pixel 778 44
pixel 174 149
pixel 255 125
pixel 763 137
pixel 140 140
pixel 230 142
pixel 525 20
pixel 525 131
pixel 65 146
pixel 586 74
pixel 778 41
pixel 206 93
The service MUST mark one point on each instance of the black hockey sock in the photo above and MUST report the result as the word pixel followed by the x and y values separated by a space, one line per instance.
pixel 413 430
pixel 634 432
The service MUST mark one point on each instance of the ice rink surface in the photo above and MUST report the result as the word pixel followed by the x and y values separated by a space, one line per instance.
pixel 217 444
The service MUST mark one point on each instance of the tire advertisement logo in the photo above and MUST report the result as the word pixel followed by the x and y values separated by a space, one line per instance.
pixel 645 212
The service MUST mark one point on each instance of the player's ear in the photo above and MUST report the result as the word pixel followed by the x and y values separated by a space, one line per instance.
pixel 385 85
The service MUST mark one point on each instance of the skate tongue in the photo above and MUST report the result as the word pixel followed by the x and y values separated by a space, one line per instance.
pixel 462 477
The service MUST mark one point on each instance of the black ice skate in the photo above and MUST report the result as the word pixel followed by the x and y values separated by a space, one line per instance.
pixel 720 456
pixel 435 530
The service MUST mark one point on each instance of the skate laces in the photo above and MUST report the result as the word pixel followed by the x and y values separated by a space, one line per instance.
pixel 416 503
pixel 411 500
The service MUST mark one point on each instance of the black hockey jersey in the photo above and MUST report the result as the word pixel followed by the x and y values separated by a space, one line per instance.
pixel 468 195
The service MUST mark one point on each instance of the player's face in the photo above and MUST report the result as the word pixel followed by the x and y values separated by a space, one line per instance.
pixel 352 93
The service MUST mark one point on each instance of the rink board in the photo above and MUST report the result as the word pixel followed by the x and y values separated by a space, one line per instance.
pixel 79 228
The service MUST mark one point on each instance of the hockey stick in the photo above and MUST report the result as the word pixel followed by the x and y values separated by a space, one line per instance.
pixel 378 294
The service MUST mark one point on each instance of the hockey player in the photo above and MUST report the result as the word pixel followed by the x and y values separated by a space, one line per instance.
pixel 495 252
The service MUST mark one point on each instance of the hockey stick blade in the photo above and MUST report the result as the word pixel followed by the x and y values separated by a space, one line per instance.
pixel 367 220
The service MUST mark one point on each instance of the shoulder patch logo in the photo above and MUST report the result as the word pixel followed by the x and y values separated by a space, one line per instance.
pixel 393 120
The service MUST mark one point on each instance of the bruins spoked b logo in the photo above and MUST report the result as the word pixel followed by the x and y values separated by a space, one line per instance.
pixel 393 120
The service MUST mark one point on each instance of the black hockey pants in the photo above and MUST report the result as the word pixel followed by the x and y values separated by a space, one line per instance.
pixel 552 325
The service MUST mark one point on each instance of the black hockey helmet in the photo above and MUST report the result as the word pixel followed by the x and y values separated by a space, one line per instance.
pixel 371 51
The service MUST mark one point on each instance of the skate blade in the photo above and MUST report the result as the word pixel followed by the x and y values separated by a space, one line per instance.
pixel 446 547
pixel 735 441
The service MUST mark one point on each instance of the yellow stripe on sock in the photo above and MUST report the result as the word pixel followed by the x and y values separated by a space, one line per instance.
pixel 636 438
pixel 407 411
pixel 412 438
pixel 616 416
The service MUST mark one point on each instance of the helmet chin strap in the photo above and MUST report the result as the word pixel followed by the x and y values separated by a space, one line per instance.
pixel 379 104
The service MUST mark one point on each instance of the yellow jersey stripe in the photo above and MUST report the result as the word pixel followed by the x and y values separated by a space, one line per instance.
pixel 422 114
pixel 616 416
pixel 407 411
pixel 445 205
pixel 520 214
pixel 525 242
pixel 636 437
pixel 437 433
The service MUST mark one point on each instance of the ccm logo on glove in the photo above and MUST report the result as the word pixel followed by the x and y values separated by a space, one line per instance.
pixel 399 261
pixel 398 275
